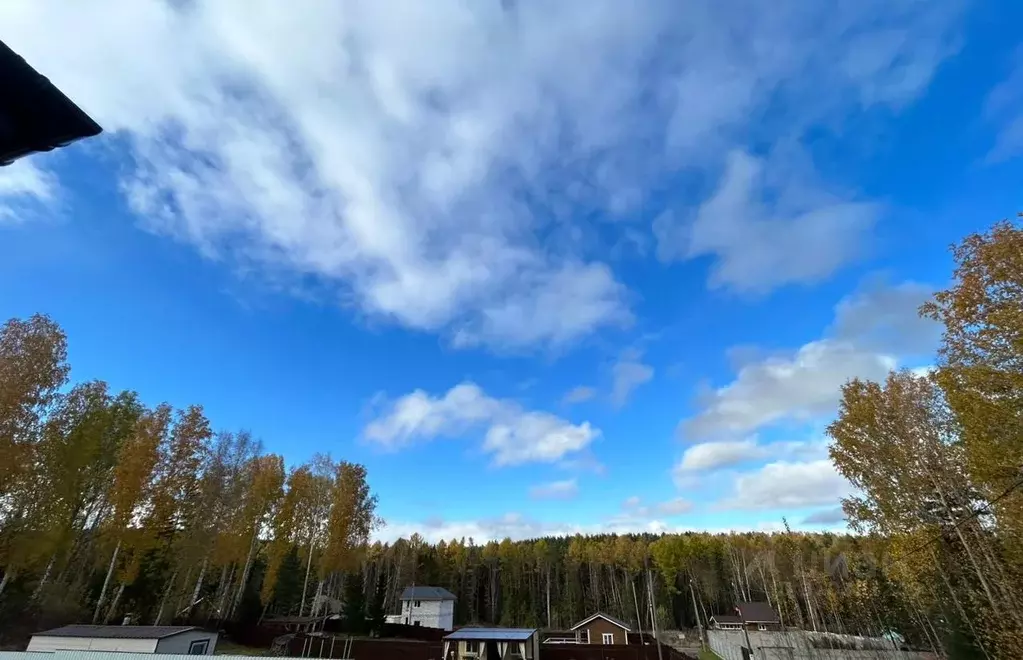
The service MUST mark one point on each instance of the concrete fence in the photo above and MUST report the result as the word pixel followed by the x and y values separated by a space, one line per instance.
pixel 803 645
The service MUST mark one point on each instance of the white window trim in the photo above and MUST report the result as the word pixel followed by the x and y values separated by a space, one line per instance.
pixel 203 643
pixel 762 627
pixel 607 638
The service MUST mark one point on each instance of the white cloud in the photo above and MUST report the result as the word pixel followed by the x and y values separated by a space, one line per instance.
pixel 825 516
pixel 1004 109
pixel 633 509
pixel 628 374
pixel 803 237
pixel 512 435
pixel 788 485
pixel 579 394
pixel 555 490
pixel 443 169
pixel 519 527
pixel 21 181
pixel 873 329
pixel 711 456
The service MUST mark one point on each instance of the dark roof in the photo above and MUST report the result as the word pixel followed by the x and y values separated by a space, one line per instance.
pixel 34 115
pixel 117 632
pixel 521 634
pixel 427 593
pixel 757 613
pixel 606 617
pixel 726 618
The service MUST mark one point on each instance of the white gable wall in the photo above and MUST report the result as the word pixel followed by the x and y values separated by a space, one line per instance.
pixel 430 613
pixel 182 642
pixel 49 644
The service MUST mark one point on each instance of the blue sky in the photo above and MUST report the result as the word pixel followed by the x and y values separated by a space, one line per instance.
pixel 591 266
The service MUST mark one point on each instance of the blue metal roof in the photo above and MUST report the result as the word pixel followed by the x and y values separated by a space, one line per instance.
pixel 521 634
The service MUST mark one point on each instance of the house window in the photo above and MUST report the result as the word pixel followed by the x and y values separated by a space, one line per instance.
pixel 607 638
pixel 199 648
pixel 416 604
pixel 761 627
pixel 472 648
pixel 416 623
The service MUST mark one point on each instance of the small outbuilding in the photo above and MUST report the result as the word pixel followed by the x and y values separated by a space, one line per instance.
pixel 492 644
pixel 184 640
pixel 602 628
pixel 748 616
pixel 726 622
pixel 759 616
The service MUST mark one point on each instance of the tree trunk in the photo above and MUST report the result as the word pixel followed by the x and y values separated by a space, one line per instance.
pixel 195 592
pixel 106 582
pixel 995 610
pixel 166 595
pixel 7 578
pixel 548 594
pixel 113 604
pixel 958 605
pixel 245 576
pixel 809 605
pixel 305 583
pixel 46 576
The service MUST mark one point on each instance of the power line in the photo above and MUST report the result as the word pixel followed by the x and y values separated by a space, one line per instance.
pixel 976 512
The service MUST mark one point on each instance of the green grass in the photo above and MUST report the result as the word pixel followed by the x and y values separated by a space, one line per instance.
pixel 707 654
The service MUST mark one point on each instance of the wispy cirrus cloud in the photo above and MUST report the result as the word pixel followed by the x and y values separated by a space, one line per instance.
pixel 555 490
pixel 454 171
pixel 24 182
pixel 628 373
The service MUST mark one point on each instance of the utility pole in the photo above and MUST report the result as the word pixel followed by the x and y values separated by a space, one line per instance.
pixel 699 626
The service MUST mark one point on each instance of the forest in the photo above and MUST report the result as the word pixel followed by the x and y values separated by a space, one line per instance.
pixel 110 508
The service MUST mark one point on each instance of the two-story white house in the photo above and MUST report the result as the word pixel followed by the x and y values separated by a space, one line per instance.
pixel 430 607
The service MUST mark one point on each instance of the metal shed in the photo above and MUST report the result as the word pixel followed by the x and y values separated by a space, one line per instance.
pixel 493 644
pixel 184 640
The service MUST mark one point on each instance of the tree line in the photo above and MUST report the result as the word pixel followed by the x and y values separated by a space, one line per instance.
pixel 111 509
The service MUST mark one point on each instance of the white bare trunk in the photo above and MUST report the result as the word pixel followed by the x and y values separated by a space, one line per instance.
pixel 5 580
pixel 809 604
pixel 46 576
pixel 225 587
pixel 245 575
pixel 166 595
pixel 314 609
pixel 113 604
pixel 106 582
pixel 305 583
pixel 198 588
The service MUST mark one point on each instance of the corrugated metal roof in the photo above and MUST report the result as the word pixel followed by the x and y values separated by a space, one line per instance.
pixel 105 655
pixel 492 633
pixel 116 632
pixel 427 593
